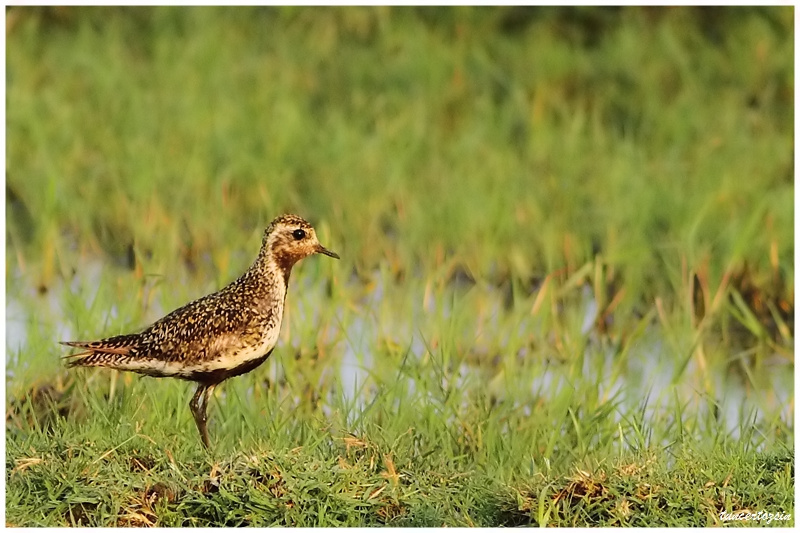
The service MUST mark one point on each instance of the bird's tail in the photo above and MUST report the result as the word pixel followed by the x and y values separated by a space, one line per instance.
pixel 113 352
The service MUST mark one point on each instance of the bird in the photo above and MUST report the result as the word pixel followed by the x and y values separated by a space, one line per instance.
pixel 221 335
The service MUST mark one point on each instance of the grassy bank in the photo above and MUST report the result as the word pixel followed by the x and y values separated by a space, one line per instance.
pixel 566 287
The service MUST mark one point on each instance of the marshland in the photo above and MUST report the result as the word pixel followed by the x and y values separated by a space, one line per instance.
pixel 566 287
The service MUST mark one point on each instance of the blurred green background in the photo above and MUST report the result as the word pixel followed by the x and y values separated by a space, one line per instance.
pixel 518 140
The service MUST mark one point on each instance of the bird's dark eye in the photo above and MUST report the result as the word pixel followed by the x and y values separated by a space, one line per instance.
pixel 298 234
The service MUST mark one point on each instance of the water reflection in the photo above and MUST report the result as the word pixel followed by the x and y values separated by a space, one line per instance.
pixel 650 377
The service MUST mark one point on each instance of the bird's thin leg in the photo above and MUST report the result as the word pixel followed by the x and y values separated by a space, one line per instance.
pixel 198 405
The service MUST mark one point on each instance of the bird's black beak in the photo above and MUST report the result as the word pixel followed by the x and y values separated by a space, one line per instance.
pixel 322 250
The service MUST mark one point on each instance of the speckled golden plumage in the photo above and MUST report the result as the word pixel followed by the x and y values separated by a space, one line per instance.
pixel 218 336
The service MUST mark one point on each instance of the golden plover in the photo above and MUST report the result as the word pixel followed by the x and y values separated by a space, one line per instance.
pixel 221 335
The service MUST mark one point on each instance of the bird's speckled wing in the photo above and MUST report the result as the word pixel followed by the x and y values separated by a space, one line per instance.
pixel 206 329
pixel 230 330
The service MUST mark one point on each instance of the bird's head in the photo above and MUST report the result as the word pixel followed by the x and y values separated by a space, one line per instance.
pixel 289 239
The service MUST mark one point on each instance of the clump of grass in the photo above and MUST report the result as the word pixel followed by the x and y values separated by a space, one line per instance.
pixel 343 479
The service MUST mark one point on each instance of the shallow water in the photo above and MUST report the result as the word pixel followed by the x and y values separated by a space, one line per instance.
pixel 650 377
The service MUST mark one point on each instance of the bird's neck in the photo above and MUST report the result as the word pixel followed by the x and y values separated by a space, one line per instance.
pixel 267 285
pixel 271 270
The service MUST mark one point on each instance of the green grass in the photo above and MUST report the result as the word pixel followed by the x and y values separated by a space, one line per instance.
pixel 566 292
